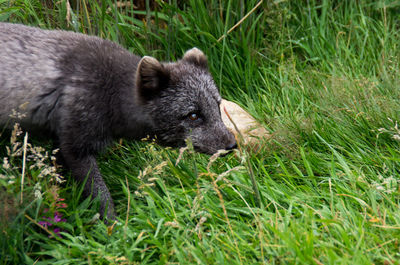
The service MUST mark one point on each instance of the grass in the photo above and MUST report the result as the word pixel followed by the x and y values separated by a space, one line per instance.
pixel 322 76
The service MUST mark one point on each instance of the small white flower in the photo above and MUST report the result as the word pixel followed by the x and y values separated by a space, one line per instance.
pixel 38 191
pixel 6 165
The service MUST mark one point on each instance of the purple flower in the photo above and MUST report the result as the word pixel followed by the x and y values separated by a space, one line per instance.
pixel 57 217
pixel 45 223
pixel 52 221
pixel 57 232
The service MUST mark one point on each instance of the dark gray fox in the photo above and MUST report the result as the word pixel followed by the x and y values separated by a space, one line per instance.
pixel 86 91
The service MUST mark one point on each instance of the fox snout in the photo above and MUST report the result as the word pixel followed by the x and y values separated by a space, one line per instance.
pixel 218 139
pixel 231 146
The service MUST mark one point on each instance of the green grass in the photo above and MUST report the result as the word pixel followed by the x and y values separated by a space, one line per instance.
pixel 321 76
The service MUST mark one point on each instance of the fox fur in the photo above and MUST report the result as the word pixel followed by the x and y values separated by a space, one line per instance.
pixel 85 91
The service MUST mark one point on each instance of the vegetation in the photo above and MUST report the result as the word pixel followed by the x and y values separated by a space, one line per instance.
pixel 322 76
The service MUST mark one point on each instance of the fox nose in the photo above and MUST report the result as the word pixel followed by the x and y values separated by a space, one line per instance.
pixel 231 146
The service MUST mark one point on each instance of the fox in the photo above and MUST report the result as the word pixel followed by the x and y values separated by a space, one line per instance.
pixel 86 92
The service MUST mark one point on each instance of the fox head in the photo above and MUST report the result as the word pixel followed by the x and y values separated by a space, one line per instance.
pixel 183 102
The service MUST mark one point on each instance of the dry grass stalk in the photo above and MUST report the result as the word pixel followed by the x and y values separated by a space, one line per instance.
pixel 241 20
pixel 127 207
pixel 249 166
pixel 23 166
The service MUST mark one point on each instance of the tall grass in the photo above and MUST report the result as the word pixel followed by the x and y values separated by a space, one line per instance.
pixel 321 76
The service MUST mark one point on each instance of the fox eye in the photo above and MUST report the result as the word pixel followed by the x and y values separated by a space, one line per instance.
pixel 193 116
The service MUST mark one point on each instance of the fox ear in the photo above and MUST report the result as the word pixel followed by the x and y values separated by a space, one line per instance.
pixel 196 57
pixel 151 77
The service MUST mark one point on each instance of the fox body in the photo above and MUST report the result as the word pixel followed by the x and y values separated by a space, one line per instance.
pixel 86 91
